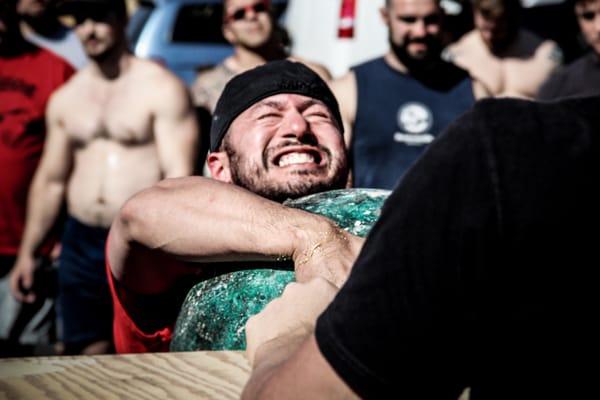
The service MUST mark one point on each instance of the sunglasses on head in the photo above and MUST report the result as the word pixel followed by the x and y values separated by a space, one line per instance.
pixel 240 13
pixel 97 14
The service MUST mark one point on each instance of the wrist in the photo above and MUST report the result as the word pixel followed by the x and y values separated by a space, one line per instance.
pixel 311 238
pixel 25 254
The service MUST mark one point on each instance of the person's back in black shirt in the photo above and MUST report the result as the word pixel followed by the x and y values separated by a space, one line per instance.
pixel 481 271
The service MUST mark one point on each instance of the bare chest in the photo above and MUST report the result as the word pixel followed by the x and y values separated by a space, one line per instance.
pixel 117 115
pixel 506 76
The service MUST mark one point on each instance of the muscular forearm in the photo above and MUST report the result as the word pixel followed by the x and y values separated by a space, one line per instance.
pixel 204 220
pixel 43 205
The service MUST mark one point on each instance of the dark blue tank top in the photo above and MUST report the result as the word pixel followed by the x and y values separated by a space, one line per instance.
pixel 398 115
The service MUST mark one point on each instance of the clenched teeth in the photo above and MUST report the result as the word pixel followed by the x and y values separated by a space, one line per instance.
pixel 295 158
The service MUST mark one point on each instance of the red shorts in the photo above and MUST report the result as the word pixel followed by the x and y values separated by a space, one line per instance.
pixel 128 337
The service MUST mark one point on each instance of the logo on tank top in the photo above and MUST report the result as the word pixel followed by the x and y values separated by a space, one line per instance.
pixel 414 120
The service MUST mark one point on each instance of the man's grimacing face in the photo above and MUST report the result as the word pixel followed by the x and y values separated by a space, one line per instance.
pixel 286 146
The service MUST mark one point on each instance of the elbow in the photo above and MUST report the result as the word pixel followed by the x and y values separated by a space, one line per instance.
pixel 124 234
pixel 141 214
pixel 134 216
pixel 130 220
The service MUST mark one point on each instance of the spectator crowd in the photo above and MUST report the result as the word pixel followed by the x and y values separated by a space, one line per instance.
pixel 106 221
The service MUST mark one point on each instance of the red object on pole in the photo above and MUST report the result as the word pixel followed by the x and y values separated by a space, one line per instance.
pixel 347 18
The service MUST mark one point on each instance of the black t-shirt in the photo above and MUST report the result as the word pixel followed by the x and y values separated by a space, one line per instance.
pixel 581 78
pixel 481 271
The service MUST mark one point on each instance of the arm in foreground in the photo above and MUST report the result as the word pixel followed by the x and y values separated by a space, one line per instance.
pixel 283 350
pixel 203 220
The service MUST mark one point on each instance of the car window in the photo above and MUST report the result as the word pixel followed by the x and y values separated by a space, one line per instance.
pixel 199 23
pixel 138 20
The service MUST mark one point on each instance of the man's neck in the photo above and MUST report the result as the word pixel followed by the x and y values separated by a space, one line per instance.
pixel 395 63
pixel 244 59
pixel 505 47
pixel 114 65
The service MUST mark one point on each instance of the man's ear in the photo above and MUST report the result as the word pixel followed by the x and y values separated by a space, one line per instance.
pixel 218 165
pixel 385 16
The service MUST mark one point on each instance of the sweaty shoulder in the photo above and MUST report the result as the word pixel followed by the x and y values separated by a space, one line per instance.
pixel 70 93
pixel 157 83
pixel 464 47
pixel 158 75
pixel 466 42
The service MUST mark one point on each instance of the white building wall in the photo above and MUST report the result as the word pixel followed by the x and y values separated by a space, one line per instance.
pixel 313 27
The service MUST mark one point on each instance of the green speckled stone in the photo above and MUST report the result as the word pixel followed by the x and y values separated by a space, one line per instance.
pixel 215 311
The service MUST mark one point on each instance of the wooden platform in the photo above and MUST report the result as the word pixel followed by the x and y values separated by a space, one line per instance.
pixel 195 375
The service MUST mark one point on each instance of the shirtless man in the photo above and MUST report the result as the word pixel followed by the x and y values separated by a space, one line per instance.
pixel 111 134
pixel 276 134
pixel 395 105
pixel 508 60
pixel 250 27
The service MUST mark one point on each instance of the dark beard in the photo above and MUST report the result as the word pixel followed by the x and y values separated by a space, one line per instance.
pixel 105 56
pixel 419 66
pixel 286 191
pixel 431 71
pixel 502 43
pixel 251 180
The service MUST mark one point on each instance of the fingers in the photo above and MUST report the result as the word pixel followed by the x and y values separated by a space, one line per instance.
pixel 294 313
pixel 318 290
pixel 251 332
pixel 15 286
pixel 21 283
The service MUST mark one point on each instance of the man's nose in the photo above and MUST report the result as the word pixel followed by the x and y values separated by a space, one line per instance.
pixel 251 14
pixel 418 28
pixel 86 26
pixel 295 125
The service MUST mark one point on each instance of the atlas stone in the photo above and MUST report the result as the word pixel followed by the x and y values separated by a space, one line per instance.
pixel 215 311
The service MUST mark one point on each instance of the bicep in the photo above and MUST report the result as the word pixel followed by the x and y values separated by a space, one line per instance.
pixel 57 156
pixel 176 133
